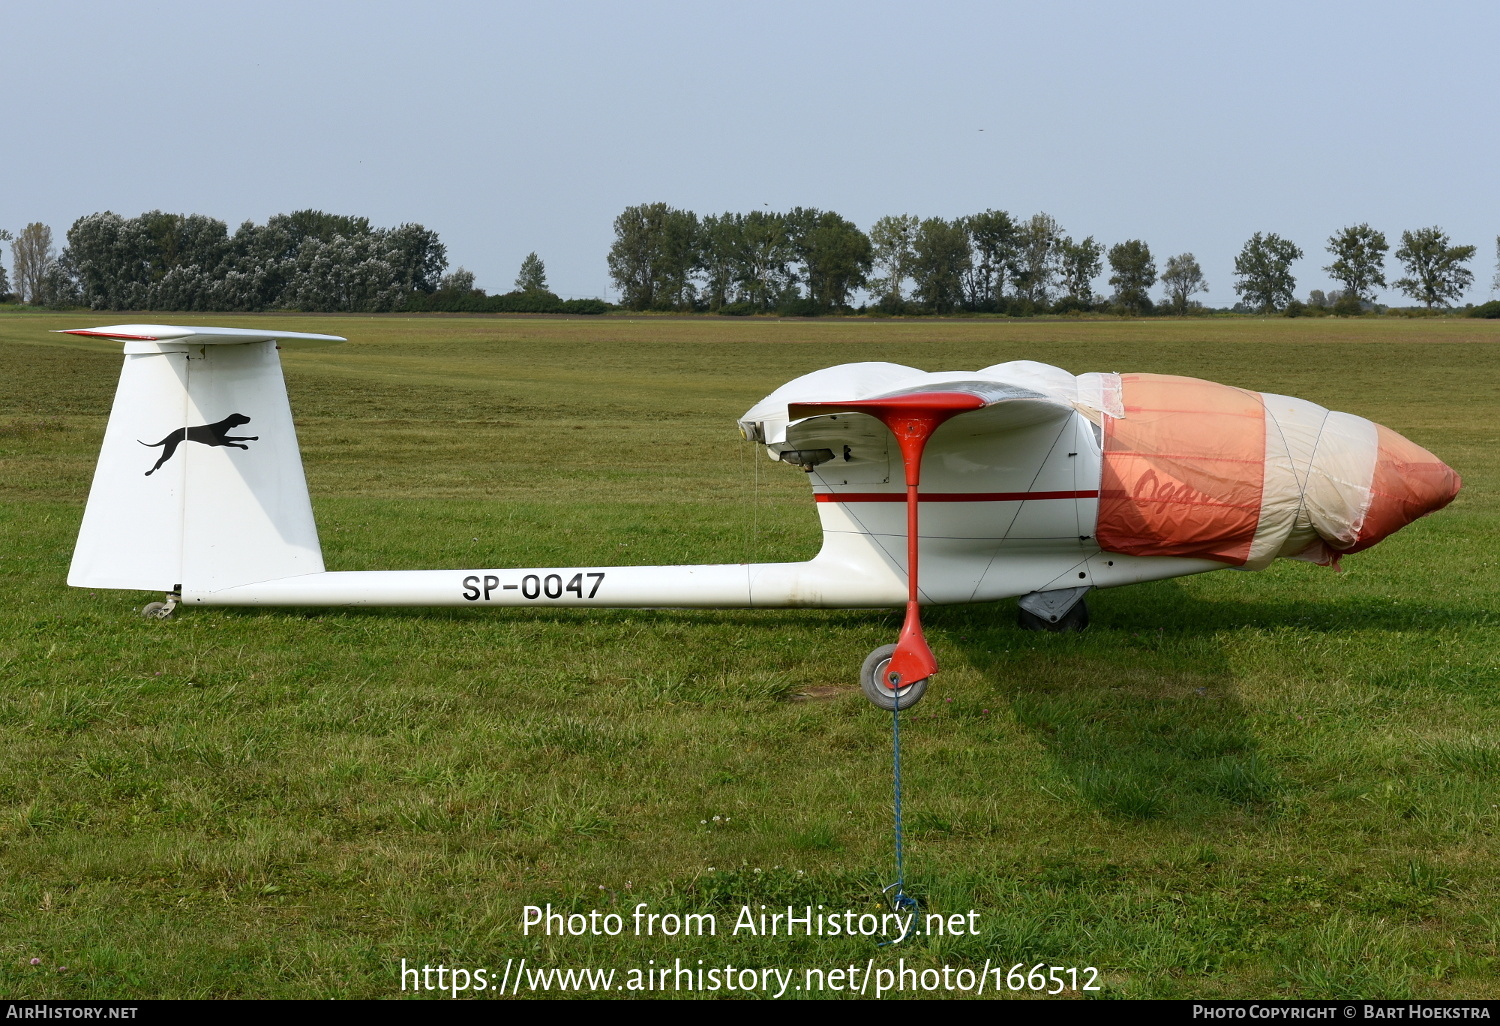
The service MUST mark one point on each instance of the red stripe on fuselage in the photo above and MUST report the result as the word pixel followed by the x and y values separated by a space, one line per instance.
pixel 950 496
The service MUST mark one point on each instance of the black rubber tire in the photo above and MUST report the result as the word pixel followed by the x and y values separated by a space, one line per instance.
pixel 880 696
pixel 1075 619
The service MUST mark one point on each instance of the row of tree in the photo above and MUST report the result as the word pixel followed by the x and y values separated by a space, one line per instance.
pixel 814 261
pixel 306 260
pixel 805 261
pixel 1436 271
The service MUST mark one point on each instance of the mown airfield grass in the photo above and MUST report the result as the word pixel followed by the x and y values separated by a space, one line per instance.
pixel 1232 785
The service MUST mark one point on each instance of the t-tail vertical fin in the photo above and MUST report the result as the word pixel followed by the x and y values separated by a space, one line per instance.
pixel 199 482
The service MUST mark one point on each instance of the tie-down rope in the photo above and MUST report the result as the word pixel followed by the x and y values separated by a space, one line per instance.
pixel 900 900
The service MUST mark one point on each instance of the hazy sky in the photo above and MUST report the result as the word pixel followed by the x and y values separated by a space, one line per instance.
pixel 511 127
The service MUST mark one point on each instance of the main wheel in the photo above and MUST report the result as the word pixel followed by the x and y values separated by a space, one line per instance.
pixel 872 677
pixel 1075 619
pixel 156 610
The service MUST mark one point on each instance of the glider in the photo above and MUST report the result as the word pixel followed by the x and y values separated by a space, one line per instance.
pixel 1020 480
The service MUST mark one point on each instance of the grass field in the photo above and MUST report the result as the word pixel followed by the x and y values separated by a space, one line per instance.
pixel 1233 785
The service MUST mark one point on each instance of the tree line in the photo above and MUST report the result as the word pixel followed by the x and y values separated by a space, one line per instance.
pixel 808 261
pixel 802 262
pixel 307 260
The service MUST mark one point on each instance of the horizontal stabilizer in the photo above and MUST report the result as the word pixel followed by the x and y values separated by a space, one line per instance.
pixel 183 334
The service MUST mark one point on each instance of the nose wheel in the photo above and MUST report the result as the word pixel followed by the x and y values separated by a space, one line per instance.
pixel 873 681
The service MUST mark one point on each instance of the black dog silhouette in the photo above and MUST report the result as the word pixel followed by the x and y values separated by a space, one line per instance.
pixel 208 434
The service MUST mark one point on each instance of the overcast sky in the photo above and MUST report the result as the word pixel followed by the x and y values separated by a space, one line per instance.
pixel 512 127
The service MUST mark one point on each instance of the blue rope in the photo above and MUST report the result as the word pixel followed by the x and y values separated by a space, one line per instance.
pixel 900 901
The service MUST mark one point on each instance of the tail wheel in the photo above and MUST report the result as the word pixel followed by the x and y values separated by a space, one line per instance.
pixel 872 682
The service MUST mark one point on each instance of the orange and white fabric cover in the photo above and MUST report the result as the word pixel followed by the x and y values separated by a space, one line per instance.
pixel 1203 470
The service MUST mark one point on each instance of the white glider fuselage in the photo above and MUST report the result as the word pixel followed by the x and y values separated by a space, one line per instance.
pixel 997 521
pixel 988 533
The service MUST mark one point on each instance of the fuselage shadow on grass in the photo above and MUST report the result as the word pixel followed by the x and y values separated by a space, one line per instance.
pixel 1139 715
pixel 1170 606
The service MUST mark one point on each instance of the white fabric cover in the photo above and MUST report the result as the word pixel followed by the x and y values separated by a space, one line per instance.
pixel 1319 465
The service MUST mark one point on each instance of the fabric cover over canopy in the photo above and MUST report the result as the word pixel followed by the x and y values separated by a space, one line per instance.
pixel 1194 468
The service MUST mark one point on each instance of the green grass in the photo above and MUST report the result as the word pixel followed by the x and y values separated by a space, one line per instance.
pixel 1233 785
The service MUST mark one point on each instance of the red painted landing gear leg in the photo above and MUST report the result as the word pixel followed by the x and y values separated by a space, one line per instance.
pixel 903 673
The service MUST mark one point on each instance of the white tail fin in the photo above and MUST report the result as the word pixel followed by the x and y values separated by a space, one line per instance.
pixel 199 483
